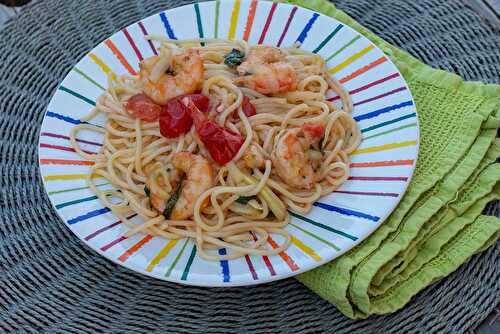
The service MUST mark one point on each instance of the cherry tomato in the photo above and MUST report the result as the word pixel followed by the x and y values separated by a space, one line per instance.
pixel 313 132
pixel 142 107
pixel 248 107
pixel 200 101
pixel 174 117
pixel 221 143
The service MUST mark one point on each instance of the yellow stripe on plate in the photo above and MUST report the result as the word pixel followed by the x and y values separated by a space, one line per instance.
pixel 65 177
pixel 384 147
pixel 234 20
pixel 306 249
pixel 351 59
pixel 105 68
pixel 164 252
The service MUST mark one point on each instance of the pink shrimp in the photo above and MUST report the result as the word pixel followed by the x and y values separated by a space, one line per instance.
pixel 266 71
pixel 164 78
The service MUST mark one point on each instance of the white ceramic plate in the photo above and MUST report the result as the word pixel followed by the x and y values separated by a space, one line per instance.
pixel 381 168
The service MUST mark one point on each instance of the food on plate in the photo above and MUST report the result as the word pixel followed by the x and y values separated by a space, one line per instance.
pixel 216 140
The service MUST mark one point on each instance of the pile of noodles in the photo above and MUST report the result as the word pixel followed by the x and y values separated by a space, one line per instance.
pixel 245 206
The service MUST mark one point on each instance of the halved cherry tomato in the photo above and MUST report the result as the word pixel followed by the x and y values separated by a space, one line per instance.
pixel 142 107
pixel 174 117
pixel 248 107
pixel 313 132
pixel 200 101
pixel 221 143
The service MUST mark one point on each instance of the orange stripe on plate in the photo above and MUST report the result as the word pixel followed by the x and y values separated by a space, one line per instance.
pixel 135 248
pixel 109 43
pixel 363 69
pixel 66 162
pixel 289 261
pixel 383 163
pixel 251 16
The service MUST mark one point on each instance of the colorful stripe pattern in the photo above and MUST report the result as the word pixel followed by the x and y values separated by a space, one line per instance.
pixel 88 215
pixel 366 73
pixel 104 67
pixel 351 59
pixel 251 16
pixel 328 38
pixel 287 25
pixel 224 266
pixel 198 21
pixel 268 22
pixel 161 255
pixel 177 258
pixel 234 20
pixel 167 26
pixel 188 264
pixel 132 250
pixel 303 35
pixel 288 260
pixel 109 43
pixel 132 44
pixel 77 95
pixel 145 32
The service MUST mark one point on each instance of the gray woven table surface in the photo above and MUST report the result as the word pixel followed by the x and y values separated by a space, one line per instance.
pixel 50 282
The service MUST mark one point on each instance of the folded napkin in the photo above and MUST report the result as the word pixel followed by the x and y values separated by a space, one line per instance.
pixel 438 224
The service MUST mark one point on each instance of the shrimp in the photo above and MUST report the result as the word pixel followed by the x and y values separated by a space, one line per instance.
pixel 261 55
pixel 199 178
pixel 266 71
pixel 291 158
pixel 163 79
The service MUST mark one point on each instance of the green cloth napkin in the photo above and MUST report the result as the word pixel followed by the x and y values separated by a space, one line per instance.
pixel 438 224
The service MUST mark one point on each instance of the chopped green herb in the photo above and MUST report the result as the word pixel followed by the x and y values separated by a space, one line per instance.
pixel 148 193
pixel 234 58
pixel 169 205
pixel 321 144
pixel 245 199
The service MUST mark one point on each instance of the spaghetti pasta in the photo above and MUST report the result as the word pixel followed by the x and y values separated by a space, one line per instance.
pixel 286 148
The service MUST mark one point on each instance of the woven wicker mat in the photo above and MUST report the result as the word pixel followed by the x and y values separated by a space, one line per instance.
pixel 51 283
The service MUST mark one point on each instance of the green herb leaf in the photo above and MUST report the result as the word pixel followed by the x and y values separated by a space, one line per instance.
pixel 320 144
pixel 234 58
pixel 147 191
pixel 169 205
pixel 245 199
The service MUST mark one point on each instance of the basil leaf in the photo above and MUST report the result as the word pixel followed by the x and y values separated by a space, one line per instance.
pixel 169 205
pixel 244 199
pixel 320 144
pixel 234 58
pixel 147 191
